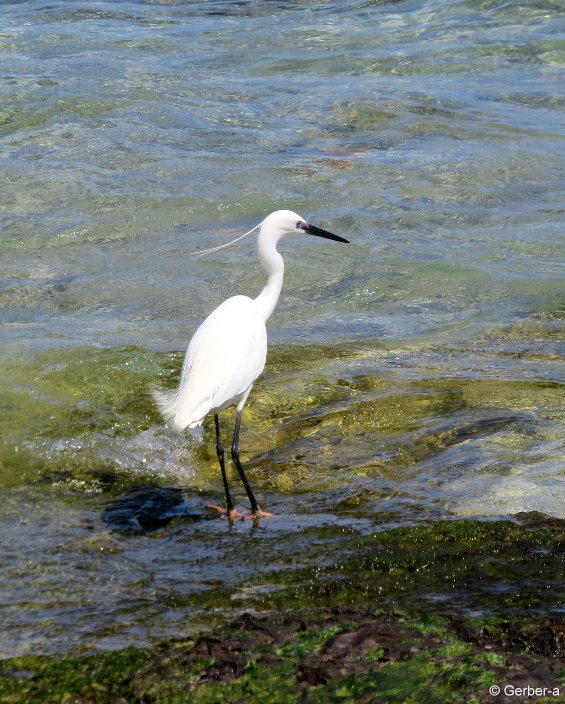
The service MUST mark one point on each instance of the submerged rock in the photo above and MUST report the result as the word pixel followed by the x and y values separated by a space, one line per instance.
pixel 336 655
pixel 364 631
pixel 148 508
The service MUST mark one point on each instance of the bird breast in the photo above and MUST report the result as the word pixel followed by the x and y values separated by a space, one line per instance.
pixel 225 356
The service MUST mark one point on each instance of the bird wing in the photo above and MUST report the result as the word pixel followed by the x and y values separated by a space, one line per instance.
pixel 225 356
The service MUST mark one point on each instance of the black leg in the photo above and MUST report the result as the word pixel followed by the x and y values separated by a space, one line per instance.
pixel 235 457
pixel 221 454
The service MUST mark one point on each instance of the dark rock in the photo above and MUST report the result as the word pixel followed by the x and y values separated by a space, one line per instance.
pixel 147 509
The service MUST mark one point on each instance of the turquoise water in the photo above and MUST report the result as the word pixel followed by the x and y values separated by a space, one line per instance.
pixel 414 374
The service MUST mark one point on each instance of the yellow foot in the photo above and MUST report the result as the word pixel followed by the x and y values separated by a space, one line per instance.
pixel 256 515
pixel 231 515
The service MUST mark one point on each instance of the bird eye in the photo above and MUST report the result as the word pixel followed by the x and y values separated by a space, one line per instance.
pixel 300 225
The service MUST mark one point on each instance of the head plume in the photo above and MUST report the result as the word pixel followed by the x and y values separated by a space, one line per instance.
pixel 202 252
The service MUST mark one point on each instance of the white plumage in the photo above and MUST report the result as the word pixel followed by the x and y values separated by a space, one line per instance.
pixel 228 351
pixel 225 356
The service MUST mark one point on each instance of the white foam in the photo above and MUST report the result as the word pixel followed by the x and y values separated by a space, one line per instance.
pixel 528 488
pixel 156 451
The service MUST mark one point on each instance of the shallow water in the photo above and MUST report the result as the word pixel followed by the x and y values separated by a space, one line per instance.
pixel 413 375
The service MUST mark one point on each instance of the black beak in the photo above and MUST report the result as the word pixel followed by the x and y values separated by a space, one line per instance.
pixel 318 232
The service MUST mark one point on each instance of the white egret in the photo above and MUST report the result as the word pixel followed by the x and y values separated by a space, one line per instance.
pixel 228 351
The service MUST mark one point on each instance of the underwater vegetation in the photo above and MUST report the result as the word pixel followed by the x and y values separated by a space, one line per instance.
pixel 370 584
pixel 108 541
pixel 408 430
pixel 437 613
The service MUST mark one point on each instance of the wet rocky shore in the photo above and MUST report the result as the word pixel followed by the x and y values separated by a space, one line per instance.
pixel 435 613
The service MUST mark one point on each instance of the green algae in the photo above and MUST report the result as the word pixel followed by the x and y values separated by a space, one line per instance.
pixel 94 679
pixel 379 447
pixel 358 117
pixel 493 566
pixel 459 222
pixel 313 648
pixel 410 683
pixel 308 643
pixel 310 423
pixel 248 664
pixel 88 387
pixel 69 394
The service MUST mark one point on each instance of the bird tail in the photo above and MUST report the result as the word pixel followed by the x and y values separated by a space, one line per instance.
pixel 172 410
pixel 166 402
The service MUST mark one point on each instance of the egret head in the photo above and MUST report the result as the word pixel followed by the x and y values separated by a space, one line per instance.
pixel 286 222
pixel 275 226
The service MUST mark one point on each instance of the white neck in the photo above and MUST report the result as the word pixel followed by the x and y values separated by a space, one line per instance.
pixel 273 263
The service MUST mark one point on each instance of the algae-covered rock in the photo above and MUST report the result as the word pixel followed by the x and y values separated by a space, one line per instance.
pixel 436 613
pixel 335 655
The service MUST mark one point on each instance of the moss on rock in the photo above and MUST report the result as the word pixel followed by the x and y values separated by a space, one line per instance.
pixel 387 625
